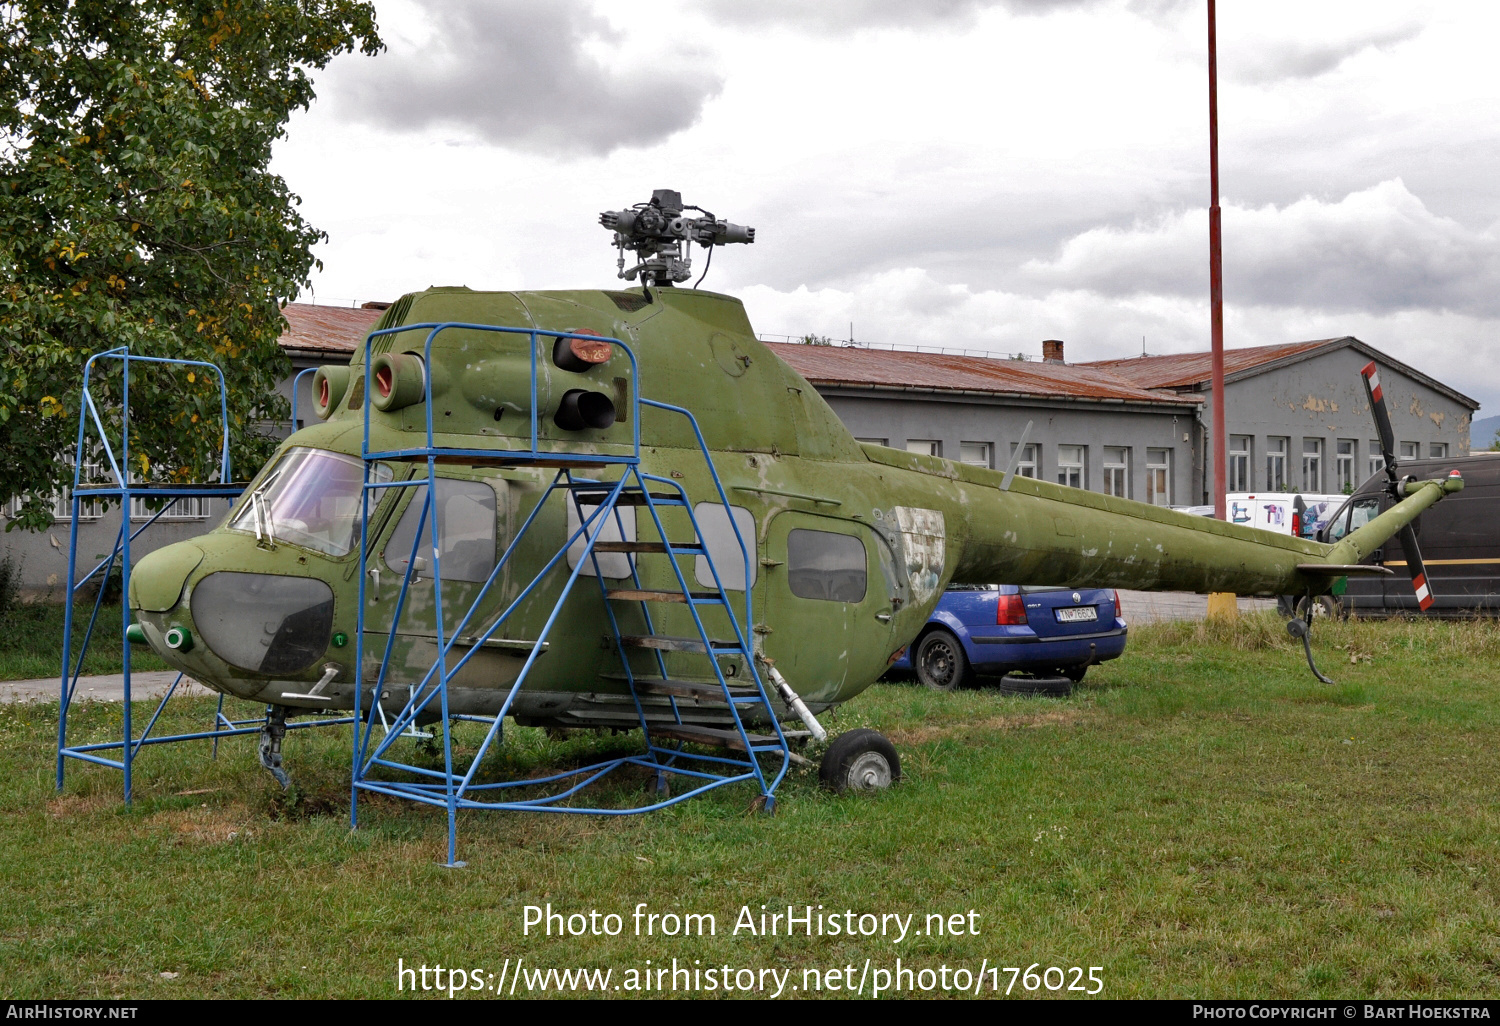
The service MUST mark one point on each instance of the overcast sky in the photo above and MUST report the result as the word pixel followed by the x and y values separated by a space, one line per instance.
pixel 973 173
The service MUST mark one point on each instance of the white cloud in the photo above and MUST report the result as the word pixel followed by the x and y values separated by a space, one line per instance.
pixel 1378 250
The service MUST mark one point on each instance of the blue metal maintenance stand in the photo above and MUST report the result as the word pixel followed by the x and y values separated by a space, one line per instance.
pixel 99 447
pixel 456 787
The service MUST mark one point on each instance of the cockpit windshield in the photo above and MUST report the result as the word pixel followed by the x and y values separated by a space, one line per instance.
pixel 309 498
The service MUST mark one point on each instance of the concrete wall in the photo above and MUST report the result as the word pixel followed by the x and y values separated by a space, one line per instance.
pixel 902 417
pixel 1323 399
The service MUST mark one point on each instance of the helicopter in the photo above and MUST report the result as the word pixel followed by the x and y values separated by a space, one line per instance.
pixel 450 470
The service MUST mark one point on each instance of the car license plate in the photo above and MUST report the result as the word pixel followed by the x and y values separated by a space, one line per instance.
pixel 1077 614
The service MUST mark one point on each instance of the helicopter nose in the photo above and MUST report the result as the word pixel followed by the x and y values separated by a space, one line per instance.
pixel 156 580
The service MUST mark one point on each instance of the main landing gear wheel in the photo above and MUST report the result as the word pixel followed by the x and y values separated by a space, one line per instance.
pixel 941 663
pixel 861 760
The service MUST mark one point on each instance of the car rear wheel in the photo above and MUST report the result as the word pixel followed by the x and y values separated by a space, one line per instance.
pixel 941 663
pixel 1323 606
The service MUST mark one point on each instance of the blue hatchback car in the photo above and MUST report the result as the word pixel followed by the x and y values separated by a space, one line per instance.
pixel 1002 628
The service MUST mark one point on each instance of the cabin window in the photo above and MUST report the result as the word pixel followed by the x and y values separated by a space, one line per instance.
pixel 466 531
pixel 824 565
pixel 613 565
pixel 723 547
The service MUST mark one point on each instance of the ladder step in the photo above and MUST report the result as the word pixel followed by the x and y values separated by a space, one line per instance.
pixel 631 499
pixel 716 736
pixel 634 546
pixel 690 689
pixel 640 595
pixel 666 644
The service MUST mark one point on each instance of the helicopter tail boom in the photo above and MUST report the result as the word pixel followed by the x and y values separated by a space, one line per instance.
pixel 1044 534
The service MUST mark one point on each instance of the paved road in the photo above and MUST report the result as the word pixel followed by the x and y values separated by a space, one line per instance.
pixel 109 687
pixel 1152 606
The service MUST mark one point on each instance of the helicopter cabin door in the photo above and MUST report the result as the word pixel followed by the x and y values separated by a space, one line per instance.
pixel 825 596
pixel 466 514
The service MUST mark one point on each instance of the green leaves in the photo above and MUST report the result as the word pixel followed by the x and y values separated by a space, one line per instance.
pixel 135 141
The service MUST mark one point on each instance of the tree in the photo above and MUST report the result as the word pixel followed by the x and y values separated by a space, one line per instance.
pixel 137 208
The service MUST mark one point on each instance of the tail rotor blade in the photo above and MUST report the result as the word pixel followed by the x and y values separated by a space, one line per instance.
pixel 1416 567
pixel 1371 376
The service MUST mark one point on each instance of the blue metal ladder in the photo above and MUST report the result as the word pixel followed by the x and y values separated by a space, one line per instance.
pixel 454 789
pixel 124 489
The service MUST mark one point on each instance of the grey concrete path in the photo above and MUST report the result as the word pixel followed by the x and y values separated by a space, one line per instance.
pixel 1152 606
pixel 108 687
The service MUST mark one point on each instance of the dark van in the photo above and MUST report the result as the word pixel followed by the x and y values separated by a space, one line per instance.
pixel 1460 539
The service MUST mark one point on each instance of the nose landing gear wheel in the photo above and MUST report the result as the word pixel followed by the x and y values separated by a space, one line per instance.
pixel 941 663
pixel 861 760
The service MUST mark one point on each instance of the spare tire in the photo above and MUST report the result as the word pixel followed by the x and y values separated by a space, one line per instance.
pixel 1053 686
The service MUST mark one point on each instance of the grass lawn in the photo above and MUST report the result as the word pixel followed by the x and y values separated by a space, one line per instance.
pixel 1201 818
pixel 31 641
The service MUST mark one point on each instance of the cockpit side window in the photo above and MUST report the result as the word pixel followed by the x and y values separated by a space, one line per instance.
pixel 465 513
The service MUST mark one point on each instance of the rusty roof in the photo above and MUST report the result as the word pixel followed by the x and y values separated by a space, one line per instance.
pixel 1182 370
pixel 1193 370
pixel 326 329
pixel 930 372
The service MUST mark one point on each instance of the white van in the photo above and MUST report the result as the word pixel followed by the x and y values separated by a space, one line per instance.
pixel 1282 512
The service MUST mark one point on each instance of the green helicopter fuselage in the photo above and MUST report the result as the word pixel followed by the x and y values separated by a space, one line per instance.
pixel 850 545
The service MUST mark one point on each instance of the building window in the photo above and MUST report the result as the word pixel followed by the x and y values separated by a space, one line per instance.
pixel 925 446
pixel 874 441
pixel 1159 476
pixel 1438 450
pixel 1377 458
pixel 1117 471
pixel 1343 466
pixel 1410 450
pixel 1312 465
pixel 1238 477
pixel 976 454
pixel 1276 464
pixel 1029 459
pixel 1071 465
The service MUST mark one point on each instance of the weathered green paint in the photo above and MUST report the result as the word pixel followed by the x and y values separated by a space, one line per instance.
pixel 782 454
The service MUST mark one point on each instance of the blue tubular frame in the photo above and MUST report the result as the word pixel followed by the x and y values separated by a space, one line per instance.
pixel 124 491
pixel 455 789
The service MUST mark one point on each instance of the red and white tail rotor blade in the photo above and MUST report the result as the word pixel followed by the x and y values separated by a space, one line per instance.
pixel 1416 567
pixel 1371 376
